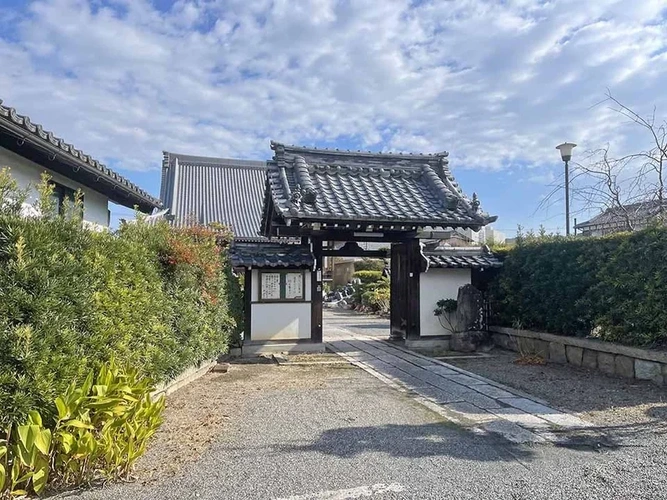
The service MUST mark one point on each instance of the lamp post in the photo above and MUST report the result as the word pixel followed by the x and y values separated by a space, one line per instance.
pixel 566 155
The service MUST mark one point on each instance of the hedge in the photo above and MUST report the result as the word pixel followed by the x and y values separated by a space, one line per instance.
pixel 149 296
pixel 613 288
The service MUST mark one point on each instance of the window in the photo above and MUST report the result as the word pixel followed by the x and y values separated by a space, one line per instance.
pixel 62 193
pixel 282 286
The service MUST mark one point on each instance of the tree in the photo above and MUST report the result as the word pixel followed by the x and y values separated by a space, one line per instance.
pixel 630 188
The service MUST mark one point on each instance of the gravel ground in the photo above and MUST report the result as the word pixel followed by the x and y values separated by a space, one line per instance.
pixel 298 432
pixel 595 397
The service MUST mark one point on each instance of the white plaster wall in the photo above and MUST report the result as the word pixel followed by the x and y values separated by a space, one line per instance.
pixel 28 173
pixel 436 284
pixel 279 320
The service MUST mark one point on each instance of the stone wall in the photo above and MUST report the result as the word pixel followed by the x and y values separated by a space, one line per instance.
pixel 612 359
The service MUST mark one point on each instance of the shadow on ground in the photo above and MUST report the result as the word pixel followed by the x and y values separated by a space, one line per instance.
pixel 414 441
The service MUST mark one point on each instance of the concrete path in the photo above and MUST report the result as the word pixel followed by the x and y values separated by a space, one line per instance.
pixel 460 396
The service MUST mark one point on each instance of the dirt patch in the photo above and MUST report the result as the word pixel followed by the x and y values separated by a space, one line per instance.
pixel 204 411
pixel 594 396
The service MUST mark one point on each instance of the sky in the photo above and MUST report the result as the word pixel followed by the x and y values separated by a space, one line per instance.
pixel 497 84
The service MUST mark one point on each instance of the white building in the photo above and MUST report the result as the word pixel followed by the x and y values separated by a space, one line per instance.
pixel 28 151
pixel 485 236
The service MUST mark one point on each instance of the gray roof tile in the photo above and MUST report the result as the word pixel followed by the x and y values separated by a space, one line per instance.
pixel 206 190
pixel 462 257
pixel 23 127
pixel 322 185
pixel 270 255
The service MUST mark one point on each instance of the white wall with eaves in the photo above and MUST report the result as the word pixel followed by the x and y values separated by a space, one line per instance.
pixel 436 284
pixel 28 174
pixel 279 320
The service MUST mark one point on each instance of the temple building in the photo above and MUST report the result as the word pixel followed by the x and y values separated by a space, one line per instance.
pixel 287 212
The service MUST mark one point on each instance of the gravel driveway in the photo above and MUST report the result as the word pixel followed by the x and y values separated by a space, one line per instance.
pixel 333 431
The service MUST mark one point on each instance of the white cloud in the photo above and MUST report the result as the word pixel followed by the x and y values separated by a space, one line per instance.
pixel 494 83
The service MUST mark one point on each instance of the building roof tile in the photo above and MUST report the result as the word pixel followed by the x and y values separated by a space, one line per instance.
pixel 270 255
pixel 24 130
pixel 207 190
pixel 462 257
pixel 329 185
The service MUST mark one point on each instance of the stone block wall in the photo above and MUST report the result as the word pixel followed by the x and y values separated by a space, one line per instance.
pixel 611 359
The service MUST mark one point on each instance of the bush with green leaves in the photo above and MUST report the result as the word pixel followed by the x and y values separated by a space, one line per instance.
pixel 150 296
pixel 368 276
pixel 613 288
pixel 101 428
pixel 369 264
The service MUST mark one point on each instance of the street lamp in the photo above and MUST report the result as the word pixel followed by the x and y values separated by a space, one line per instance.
pixel 566 155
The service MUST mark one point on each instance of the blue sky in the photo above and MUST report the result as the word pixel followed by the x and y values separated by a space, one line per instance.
pixel 496 83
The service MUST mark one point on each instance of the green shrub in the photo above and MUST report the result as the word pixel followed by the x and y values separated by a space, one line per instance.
pixel 368 264
pixel 368 276
pixel 150 296
pixel 102 427
pixel 612 287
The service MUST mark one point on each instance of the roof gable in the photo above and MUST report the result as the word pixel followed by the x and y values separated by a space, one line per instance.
pixel 311 185
pixel 206 190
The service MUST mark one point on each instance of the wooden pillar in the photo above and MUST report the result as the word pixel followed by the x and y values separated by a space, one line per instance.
pixel 247 305
pixel 413 271
pixel 316 293
pixel 396 297
pixel 405 308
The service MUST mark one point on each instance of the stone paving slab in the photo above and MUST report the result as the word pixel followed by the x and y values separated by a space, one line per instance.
pixel 461 396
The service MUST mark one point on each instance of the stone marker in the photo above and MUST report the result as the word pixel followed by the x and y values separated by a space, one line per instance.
pixel 470 309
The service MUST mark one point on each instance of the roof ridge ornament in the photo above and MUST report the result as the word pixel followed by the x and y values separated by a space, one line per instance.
pixel 475 203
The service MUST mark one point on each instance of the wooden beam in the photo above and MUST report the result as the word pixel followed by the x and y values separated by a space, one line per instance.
pixel 342 234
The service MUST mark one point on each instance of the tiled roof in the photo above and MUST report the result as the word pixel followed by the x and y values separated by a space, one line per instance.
pixel 204 190
pixel 315 185
pixel 270 255
pixel 614 219
pixel 462 257
pixel 121 190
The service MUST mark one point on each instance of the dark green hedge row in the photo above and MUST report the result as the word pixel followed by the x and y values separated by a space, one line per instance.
pixel 613 288
pixel 149 296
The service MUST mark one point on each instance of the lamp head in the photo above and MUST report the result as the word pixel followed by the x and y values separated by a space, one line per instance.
pixel 566 150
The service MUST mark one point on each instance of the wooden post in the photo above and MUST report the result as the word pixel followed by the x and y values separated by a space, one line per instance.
pixel 316 293
pixel 247 305
pixel 396 293
pixel 413 257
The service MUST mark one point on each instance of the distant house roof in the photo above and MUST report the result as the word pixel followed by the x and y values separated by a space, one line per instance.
pixel 462 257
pixel 323 185
pixel 20 135
pixel 205 190
pixel 271 255
pixel 615 219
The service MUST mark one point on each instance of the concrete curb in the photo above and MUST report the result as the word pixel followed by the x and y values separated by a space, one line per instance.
pixel 186 377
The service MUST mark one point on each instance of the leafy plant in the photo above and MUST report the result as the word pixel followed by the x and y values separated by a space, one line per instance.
pixel 148 295
pixel 445 310
pixel 368 276
pixel 104 425
pixel 102 428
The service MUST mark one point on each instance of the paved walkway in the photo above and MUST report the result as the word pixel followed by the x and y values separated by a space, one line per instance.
pixel 460 396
